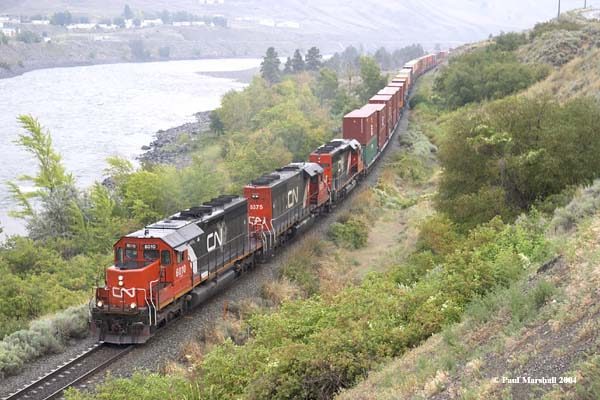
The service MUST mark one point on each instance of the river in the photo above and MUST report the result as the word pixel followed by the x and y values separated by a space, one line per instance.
pixel 94 112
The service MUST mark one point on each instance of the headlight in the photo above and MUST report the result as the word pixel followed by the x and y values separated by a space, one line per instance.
pixel 99 303
pixel 133 306
pixel 120 283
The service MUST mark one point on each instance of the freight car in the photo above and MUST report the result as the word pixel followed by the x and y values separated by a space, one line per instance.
pixel 169 267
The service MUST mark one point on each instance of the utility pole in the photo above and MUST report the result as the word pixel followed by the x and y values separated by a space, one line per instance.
pixel 558 16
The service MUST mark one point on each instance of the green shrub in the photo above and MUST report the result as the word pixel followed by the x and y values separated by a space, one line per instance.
pixel 28 37
pixel 485 74
pixel 585 203
pixel 48 335
pixel 503 157
pixel 352 233
pixel 554 25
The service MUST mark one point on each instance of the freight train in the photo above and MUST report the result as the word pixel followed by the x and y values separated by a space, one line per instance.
pixel 169 267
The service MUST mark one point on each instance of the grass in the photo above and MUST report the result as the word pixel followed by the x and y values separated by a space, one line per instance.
pixel 541 319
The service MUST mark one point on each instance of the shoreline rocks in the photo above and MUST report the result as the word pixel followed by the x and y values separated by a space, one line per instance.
pixel 171 147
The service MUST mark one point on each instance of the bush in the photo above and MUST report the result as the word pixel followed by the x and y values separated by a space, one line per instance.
pixel 485 74
pixel 555 25
pixel 585 203
pixel 351 233
pixel 48 335
pixel 28 37
pixel 505 156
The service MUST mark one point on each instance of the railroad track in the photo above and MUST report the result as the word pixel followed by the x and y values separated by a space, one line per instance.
pixel 74 372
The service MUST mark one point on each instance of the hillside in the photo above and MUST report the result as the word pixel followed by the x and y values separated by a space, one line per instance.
pixel 538 336
pixel 370 23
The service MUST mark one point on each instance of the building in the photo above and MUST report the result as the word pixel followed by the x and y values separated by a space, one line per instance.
pixel 151 22
pixel 10 32
pixel 40 22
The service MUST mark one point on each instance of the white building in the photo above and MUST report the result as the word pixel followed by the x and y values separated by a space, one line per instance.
pixel 151 22
pixel 10 32
pixel 81 27
pixel 182 23
pixel 40 22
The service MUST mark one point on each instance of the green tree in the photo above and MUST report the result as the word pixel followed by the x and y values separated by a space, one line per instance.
pixel 216 125
pixel 3 38
pixel 120 22
pixel 127 13
pixel 51 173
pixel 314 60
pixel 269 68
pixel 61 18
pixel 164 52
pixel 298 64
pixel 165 16
pixel 287 68
pixel 327 85
pixel 138 50
pixel 372 80
pixel 28 37
pixel 383 58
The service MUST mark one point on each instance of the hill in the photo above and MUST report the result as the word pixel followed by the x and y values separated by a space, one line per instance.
pixel 372 23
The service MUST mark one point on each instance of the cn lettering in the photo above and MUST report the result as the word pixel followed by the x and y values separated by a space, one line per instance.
pixel 292 197
pixel 214 239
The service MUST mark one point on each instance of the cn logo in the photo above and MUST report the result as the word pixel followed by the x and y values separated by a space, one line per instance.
pixel 292 197
pixel 214 239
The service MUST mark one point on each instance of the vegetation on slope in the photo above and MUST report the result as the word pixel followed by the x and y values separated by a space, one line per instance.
pixel 71 231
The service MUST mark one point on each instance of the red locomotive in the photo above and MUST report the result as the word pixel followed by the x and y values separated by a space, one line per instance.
pixel 169 267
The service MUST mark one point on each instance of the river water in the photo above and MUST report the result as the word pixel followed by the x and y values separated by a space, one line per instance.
pixel 94 112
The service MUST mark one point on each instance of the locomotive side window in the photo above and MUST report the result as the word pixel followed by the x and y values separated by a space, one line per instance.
pixel 119 256
pixel 165 258
pixel 179 257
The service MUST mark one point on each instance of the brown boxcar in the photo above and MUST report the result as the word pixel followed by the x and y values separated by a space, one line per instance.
pixel 388 100
pixel 360 125
pixel 383 132
pixel 401 94
pixel 406 74
pixel 395 92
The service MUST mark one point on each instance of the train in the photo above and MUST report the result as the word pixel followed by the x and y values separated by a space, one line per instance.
pixel 169 267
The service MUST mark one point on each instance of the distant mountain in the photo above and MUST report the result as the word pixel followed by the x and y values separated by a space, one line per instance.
pixel 367 22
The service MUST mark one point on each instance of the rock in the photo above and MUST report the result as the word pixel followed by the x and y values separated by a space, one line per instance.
pixel 145 147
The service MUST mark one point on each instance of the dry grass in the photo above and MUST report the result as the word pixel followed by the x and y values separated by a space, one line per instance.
pixel 564 331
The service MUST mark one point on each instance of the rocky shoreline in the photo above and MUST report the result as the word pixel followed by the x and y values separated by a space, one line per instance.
pixel 169 148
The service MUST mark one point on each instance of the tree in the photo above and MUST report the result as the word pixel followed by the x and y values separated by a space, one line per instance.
pixel 505 156
pixel 165 16
pixel 28 37
pixel 3 38
pixel 269 68
pixel 314 60
pixel 138 52
pixel 327 85
pixel 61 18
pixel 164 52
pixel 216 125
pixel 127 13
pixel 372 80
pixel 383 58
pixel 298 64
pixel 287 69
pixel 55 190
pixel 120 22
